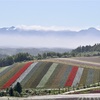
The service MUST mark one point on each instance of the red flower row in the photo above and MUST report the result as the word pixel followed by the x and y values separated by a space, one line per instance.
pixel 16 76
pixel 71 76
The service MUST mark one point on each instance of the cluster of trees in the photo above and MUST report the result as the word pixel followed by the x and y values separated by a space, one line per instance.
pixel 87 48
pixel 15 58
pixel 16 91
pixel 54 55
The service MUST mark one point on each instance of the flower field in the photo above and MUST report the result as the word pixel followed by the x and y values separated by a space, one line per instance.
pixel 3 68
pixel 44 74
pixel 9 72
pixel 16 75
pixel 71 76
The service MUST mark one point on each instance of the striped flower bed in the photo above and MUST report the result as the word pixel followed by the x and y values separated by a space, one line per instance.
pixel 65 75
pixel 40 76
pixel 71 76
pixel 99 76
pixel 23 75
pixel 83 78
pixel 3 68
pixel 56 80
pixel 13 79
pixel 77 77
pixel 37 73
pixel 51 78
pixel 90 75
pixel 96 76
pixel 29 75
pixel 47 75
pixel 7 69
pixel 6 76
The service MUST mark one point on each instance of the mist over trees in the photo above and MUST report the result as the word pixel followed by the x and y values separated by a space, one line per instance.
pixel 87 50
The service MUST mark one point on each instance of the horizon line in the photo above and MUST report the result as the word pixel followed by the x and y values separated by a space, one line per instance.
pixel 49 28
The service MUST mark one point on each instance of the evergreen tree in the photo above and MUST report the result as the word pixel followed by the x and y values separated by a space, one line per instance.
pixel 18 88
pixel 11 92
pixel 44 55
pixel 39 56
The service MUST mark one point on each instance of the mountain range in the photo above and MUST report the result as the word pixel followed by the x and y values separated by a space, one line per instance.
pixel 39 38
pixel 14 30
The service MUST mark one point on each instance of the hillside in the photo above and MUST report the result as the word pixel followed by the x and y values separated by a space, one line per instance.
pixel 50 73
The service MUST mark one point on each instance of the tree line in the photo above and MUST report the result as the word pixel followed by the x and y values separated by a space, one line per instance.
pixel 54 55
pixel 87 48
pixel 9 60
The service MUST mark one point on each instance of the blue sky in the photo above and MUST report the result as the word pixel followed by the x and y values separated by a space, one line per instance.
pixel 68 13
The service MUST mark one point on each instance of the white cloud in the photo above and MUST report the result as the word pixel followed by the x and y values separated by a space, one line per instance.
pixel 47 28
pixel 98 27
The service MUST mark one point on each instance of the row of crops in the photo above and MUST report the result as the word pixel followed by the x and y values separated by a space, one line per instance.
pixel 47 75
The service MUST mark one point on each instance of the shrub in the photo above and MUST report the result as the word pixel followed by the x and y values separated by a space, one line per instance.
pixel 16 94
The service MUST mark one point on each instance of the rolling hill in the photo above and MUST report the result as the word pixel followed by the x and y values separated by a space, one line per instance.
pixel 50 73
